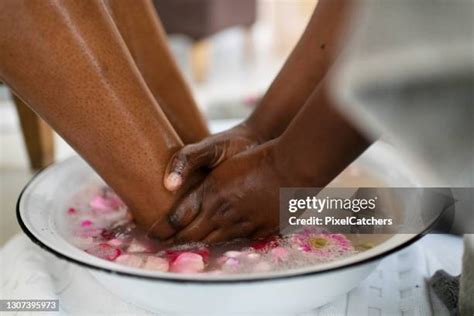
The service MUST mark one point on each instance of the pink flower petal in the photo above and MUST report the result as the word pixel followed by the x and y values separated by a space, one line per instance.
pixel 132 261
pixel 156 264
pixel 86 223
pixel 231 264
pixel 279 253
pixel 221 260
pixel 322 244
pixel 100 203
pixel 252 256
pixel 115 242
pixel 137 246
pixel 173 254
pixel 188 262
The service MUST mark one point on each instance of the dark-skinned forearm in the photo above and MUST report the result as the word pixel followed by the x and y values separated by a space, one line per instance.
pixel 306 66
pixel 319 143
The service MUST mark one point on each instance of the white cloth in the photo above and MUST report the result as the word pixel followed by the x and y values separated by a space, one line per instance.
pixel 398 285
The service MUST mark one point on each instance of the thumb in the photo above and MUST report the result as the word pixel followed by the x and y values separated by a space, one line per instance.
pixel 186 161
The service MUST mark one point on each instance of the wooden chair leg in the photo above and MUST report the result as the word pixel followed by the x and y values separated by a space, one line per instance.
pixel 37 135
pixel 200 59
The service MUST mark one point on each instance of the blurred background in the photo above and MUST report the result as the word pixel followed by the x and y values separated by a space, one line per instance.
pixel 229 51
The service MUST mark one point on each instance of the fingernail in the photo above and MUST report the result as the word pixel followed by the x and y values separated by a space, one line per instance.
pixel 173 181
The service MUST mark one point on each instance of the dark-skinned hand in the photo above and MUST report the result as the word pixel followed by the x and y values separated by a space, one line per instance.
pixel 239 198
pixel 208 153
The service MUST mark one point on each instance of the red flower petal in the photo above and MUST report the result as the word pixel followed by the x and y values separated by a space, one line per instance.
pixel 107 234
pixel 71 211
pixel 265 244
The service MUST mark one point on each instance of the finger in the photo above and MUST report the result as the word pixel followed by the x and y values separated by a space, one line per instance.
pixel 187 160
pixel 186 211
pixel 197 230
pixel 161 229
pixel 203 223
pixel 224 214
pixel 239 230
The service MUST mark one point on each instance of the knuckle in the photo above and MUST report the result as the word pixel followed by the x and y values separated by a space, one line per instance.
pixel 217 154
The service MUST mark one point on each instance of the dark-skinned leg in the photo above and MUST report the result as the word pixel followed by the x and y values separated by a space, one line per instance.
pixel 143 33
pixel 68 62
